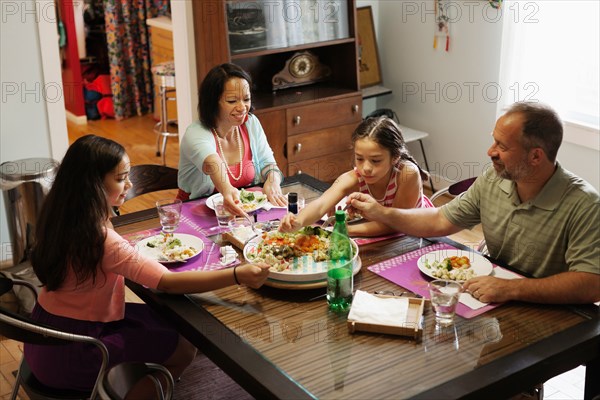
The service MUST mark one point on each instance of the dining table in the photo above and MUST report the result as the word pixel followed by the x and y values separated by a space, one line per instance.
pixel 282 341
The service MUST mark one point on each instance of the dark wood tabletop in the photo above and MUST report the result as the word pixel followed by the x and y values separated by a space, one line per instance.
pixel 281 343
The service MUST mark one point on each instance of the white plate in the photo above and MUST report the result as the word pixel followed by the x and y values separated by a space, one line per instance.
pixel 480 265
pixel 156 254
pixel 305 270
pixel 210 202
pixel 342 204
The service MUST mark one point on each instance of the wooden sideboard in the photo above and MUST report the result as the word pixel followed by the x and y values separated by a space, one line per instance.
pixel 308 127
pixel 314 138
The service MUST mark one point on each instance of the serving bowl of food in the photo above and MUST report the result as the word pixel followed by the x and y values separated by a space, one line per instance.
pixel 300 256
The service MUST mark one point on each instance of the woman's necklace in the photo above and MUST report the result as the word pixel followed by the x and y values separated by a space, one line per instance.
pixel 238 141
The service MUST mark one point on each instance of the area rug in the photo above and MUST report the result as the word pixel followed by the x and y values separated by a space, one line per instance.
pixel 204 380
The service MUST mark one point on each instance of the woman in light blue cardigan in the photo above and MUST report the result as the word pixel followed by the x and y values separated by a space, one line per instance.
pixel 227 149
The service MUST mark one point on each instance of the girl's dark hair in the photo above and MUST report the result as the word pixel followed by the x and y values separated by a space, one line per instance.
pixel 70 229
pixel 386 133
pixel 212 89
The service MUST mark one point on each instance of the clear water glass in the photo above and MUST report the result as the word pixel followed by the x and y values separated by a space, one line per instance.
pixel 444 298
pixel 169 213
pixel 223 216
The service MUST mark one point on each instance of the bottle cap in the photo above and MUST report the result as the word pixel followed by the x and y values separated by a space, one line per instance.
pixel 340 216
pixel 292 197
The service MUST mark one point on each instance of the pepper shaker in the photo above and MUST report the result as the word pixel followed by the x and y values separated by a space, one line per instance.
pixel 293 202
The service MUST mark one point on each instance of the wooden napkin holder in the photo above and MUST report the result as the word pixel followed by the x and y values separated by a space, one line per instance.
pixel 231 238
pixel 413 327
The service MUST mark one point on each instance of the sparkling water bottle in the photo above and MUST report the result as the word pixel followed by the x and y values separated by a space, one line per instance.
pixel 339 274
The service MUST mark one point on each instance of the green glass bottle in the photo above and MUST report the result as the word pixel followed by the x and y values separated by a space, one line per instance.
pixel 339 274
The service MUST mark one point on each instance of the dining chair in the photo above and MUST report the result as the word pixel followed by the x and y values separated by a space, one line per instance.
pixel 117 382
pixel 410 135
pixel 455 189
pixel 23 329
pixel 148 178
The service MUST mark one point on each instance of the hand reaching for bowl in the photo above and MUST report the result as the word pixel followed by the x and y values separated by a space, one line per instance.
pixel 290 223
pixel 252 275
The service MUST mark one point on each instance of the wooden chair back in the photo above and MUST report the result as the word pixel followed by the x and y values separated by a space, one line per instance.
pixel 148 178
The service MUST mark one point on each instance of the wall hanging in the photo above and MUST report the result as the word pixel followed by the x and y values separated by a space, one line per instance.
pixel 442 23
pixel 368 57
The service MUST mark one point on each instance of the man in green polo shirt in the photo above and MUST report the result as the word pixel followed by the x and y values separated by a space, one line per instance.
pixel 536 216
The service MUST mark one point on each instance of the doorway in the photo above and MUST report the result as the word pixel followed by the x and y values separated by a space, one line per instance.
pixel 106 56
pixel 185 67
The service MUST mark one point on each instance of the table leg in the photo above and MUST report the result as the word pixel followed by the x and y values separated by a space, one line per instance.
pixel 592 384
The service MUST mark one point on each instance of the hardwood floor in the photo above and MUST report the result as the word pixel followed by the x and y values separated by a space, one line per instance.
pixel 138 138
pixel 135 134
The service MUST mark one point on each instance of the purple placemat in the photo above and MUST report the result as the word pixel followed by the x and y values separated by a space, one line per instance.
pixel 208 260
pixel 203 217
pixel 403 271
pixel 199 220
pixel 263 215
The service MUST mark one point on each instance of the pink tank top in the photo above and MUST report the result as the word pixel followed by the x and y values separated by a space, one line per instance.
pixel 390 192
pixel 247 164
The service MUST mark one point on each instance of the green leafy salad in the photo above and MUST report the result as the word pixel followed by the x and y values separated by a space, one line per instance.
pixel 251 200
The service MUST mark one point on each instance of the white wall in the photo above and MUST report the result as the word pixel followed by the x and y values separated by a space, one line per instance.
pixel 31 95
pixel 451 95
pixel 431 87
pixel 582 161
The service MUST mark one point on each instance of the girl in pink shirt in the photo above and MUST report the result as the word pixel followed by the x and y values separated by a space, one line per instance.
pixel 82 263
pixel 383 168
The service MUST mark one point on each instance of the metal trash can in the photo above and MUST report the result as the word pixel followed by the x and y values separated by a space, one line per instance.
pixel 25 184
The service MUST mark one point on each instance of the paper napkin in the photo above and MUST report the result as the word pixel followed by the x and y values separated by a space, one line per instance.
pixel 268 206
pixel 371 309
pixel 229 255
pixel 475 304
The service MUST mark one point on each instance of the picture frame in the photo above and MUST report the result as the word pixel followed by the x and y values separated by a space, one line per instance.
pixel 368 56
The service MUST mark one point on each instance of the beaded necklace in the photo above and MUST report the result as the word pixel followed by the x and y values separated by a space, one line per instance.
pixel 238 140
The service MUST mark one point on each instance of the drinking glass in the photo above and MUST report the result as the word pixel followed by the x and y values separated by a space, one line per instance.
pixel 444 298
pixel 301 203
pixel 223 216
pixel 169 213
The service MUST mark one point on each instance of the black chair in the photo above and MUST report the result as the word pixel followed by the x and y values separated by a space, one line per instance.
pixel 410 135
pixel 455 189
pixel 23 329
pixel 148 178
pixel 118 381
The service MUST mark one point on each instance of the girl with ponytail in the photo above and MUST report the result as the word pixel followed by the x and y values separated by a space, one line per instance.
pixel 384 169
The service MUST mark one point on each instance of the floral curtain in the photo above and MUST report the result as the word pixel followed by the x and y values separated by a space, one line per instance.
pixel 129 53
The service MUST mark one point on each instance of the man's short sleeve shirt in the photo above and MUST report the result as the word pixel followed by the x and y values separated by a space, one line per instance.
pixel 555 232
